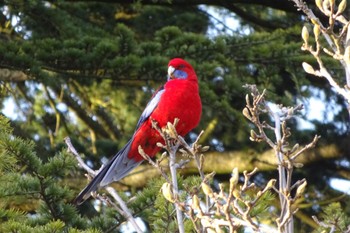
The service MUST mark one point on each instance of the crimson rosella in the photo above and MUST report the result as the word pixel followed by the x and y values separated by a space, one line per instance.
pixel 178 98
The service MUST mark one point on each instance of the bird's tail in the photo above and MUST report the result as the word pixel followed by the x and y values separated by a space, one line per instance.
pixel 117 168
pixel 91 187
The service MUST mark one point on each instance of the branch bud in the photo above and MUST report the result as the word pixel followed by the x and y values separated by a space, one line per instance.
pixel 234 179
pixel 208 176
pixel 195 202
pixel 247 99
pixel 347 55
pixel 207 190
pixel 341 7
pixel 301 189
pixel 319 4
pixel 271 184
pixel 205 148
pixel 183 152
pixel 317 31
pixel 176 121
pixel 167 192
pixel 308 68
pixel 246 113
pixel 314 21
pixel 253 136
pixel 171 130
pixel 298 165
pixel 305 35
pixel 326 6
pixel 295 148
pixel 236 194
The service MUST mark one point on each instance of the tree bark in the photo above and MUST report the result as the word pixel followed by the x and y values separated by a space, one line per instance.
pixel 8 75
pixel 275 4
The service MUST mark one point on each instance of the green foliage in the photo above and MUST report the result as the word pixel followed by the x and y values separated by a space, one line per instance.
pixel 7 161
pixel 106 220
pixel 334 219
pixel 90 68
pixel 35 199
pixel 50 227
pixel 113 60
pixel 32 195
pixel 262 207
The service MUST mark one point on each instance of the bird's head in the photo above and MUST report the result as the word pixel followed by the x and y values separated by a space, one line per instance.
pixel 180 69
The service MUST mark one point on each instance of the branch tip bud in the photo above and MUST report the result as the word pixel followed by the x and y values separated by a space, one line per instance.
pixel 167 192
pixel 207 190
pixel 317 31
pixel 205 148
pixel 295 148
pixel 347 54
pixel 308 68
pixel 246 113
pixel 234 179
pixel 195 202
pixel 301 189
pixel 341 7
pixel 319 4
pixel 171 130
pixel 271 183
pixel 305 34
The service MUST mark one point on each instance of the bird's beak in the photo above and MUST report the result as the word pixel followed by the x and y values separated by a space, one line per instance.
pixel 171 71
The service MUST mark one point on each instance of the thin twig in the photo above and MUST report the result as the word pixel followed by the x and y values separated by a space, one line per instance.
pixel 125 210
pixel 154 164
pixel 285 158
pixel 340 49
pixel 78 157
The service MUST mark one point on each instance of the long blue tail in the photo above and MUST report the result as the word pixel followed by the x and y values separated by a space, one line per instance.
pixel 117 168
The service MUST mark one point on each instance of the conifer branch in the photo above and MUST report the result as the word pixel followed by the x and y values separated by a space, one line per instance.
pixel 125 210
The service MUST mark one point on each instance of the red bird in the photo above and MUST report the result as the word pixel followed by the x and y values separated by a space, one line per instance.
pixel 178 98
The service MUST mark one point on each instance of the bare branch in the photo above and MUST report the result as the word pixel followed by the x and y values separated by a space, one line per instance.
pixel 125 211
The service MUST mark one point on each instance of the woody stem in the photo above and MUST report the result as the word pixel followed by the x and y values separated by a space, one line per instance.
pixel 172 165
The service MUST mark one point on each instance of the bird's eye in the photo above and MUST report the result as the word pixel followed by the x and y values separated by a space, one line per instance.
pixel 180 74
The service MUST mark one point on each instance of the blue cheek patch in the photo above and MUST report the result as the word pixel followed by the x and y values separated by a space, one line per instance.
pixel 180 74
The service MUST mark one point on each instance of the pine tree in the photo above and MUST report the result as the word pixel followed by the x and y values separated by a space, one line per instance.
pixel 86 70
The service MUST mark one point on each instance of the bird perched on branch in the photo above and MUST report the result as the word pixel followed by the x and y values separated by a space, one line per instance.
pixel 177 98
